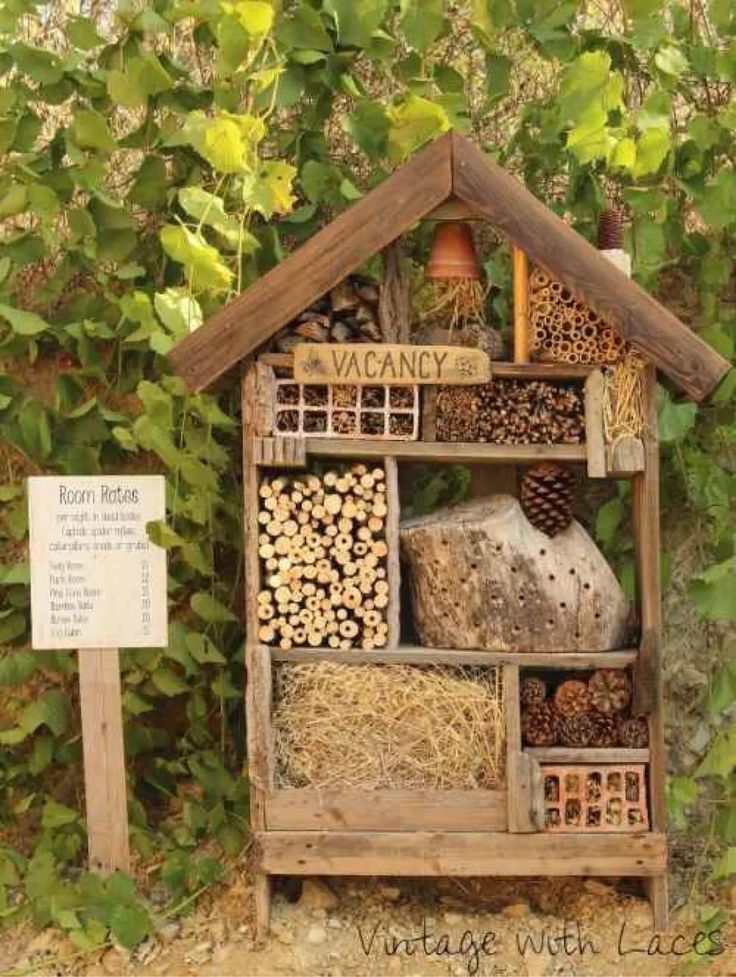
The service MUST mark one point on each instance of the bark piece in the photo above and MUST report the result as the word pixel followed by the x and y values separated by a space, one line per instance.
pixel 481 576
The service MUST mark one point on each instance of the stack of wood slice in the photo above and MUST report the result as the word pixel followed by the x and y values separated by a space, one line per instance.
pixel 347 314
pixel 323 557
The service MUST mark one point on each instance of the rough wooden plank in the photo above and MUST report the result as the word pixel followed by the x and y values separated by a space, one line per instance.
pixel 566 754
pixel 104 760
pixel 429 414
pixel 394 304
pixel 386 810
pixel 499 368
pixel 555 246
pixel 518 768
pixel 258 697
pixel 393 567
pixel 317 266
pixel 283 451
pixel 392 363
pixel 415 655
pixel 261 410
pixel 625 457
pixel 522 336
pixel 445 451
pixel 424 853
pixel 594 437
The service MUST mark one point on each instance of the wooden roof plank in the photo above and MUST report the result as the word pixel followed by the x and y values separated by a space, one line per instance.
pixel 325 259
pixel 496 195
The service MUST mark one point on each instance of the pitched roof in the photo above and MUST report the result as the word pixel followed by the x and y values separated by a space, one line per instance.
pixel 450 166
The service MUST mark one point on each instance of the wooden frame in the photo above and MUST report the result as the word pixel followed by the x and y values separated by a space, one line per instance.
pixel 451 832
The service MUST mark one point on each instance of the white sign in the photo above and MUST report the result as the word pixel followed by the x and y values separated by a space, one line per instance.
pixel 96 579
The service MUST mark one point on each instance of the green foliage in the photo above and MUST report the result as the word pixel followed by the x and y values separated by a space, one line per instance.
pixel 157 163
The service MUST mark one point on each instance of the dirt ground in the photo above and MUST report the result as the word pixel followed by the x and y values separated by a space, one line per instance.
pixel 402 927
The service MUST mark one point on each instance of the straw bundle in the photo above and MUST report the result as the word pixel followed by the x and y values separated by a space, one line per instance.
pixel 382 726
pixel 623 400
pixel 567 331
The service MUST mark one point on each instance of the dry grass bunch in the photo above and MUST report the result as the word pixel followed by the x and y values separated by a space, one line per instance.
pixel 382 726
pixel 623 399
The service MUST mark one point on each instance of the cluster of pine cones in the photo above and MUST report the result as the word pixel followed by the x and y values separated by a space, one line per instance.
pixel 582 714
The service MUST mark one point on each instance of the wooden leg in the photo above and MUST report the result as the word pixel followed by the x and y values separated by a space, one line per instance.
pixel 262 899
pixel 656 890
pixel 104 760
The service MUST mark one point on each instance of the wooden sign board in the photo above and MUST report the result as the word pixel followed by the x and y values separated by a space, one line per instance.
pixel 371 364
pixel 96 579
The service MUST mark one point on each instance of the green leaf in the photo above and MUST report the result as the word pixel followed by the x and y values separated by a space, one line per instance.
pixel 369 127
pixel 356 20
pixel 228 142
pixel 671 61
pixel 413 123
pixel 42 66
pixel 143 77
pixel 82 33
pixel 57 815
pixel 269 190
pixel 652 148
pixel 16 667
pixel 204 651
pixel 726 866
pixel 12 625
pixel 162 535
pixel 23 323
pixel 33 423
pixel 13 201
pixel 254 16
pixel 304 31
pixel 168 682
pixel 179 312
pixel 130 925
pixel 675 420
pixel 53 711
pixel 609 519
pixel 204 268
pixel 720 760
pixel 210 609
pixel 714 591
pixel 718 203
pixel 422 21
pixel 207 208
pixel 89 131
pixel 150 185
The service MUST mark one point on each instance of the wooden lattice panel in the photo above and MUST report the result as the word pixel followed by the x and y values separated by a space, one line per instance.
pixel 334 411
pixel 601 797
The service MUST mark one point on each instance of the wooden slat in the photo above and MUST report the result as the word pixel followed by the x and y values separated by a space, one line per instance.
pixel 346 809
pixel 104 760
pixel 415 655
pixel 394 305
pixel 556 247
pixel 400 365
pixel 283 451
pixel 357 234
pixel 425 853
pixel 518 766
pixel 445 451
pixel 625 457
pixel 393 566
pixel 566 754
pixel 522 335
pixel 594 437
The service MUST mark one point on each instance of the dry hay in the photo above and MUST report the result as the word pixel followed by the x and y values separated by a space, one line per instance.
pixel 381 726
pixel 623 399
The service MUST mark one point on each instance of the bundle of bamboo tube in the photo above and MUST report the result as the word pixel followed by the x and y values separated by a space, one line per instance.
pixel 323 554
pixel 567 331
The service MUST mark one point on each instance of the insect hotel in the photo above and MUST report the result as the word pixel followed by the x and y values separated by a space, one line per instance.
pixel 466 691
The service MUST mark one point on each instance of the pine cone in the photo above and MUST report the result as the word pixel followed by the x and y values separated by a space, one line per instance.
pixel 547 492
pixel 577 730
pixel 605 730
pixel 633 733
pixel 610 230
pixel 532 690
pixel 572 698
pixel 540 724
pixel 610 690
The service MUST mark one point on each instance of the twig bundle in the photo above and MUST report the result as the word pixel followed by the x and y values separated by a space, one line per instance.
pixel 323 557
pixel 456 303
pixel 567 331
pixel 623 400
pixel 382 726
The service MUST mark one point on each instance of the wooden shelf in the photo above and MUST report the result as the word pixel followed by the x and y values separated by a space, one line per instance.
pixel 417 655
pixel 565 754
pixel 444 451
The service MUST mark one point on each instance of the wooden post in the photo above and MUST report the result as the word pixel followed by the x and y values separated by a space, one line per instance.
pixel 518 764
pixel 522 337
pixel 394 306
pixel 645 497
pixel 594 440
pixel 104 760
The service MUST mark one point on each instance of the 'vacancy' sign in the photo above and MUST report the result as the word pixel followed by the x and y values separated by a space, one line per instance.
pixel 384 363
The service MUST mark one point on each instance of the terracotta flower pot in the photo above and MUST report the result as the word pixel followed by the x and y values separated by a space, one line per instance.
pixel 453 252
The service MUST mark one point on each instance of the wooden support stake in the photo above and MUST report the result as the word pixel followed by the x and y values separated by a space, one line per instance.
pixel 522 335
pixel 394 306
pixel 594 439
pixel 392 538
pixel 518 763
pixel 104 760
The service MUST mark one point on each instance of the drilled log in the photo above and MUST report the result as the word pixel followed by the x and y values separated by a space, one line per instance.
pixel 482 577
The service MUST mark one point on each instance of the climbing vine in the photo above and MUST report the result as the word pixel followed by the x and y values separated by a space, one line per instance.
pixel 158 158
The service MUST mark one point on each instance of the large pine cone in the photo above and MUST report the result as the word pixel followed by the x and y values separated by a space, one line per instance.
pixel 633 733
pixel 605 730
pixel 577 730
pixel 610 690
pixel 547 492
pixel 540 724
pixel 572 698
pixel 532 690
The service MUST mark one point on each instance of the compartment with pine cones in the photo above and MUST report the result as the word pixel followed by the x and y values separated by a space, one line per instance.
pixel 581 713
